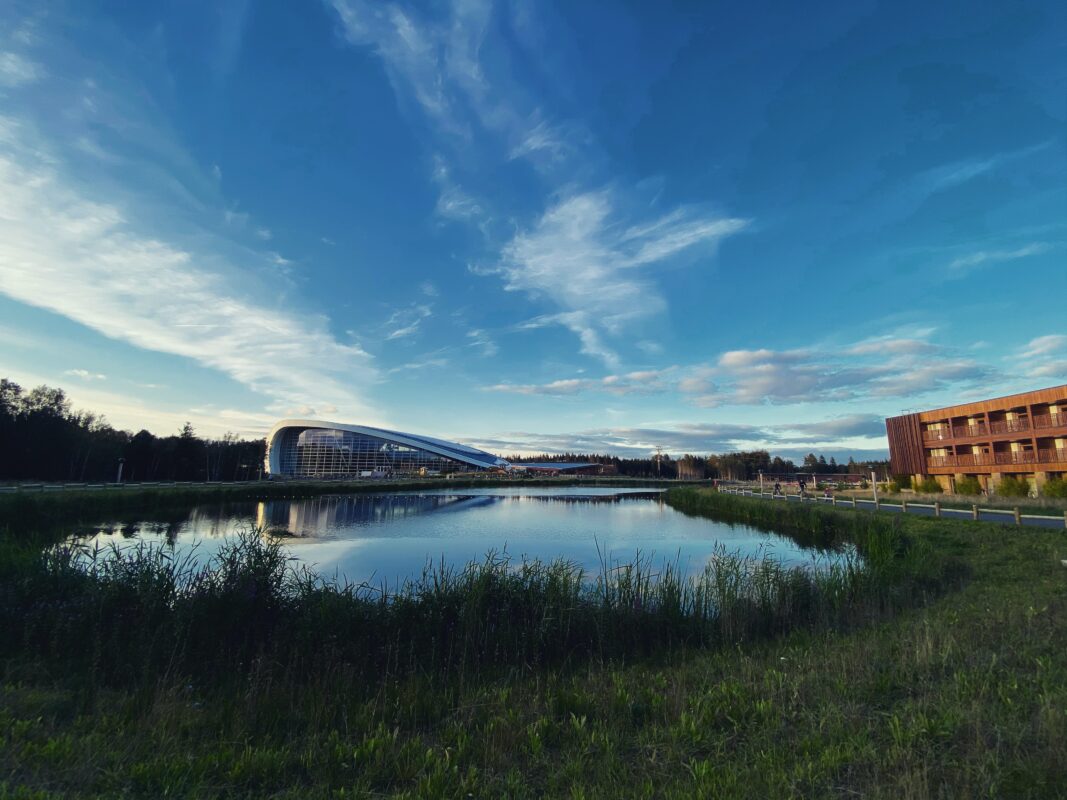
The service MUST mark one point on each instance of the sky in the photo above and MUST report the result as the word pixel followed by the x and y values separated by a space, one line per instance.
pixel 535 227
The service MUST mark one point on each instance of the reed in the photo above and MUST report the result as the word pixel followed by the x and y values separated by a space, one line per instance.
pixel 130 613
pixel 957 689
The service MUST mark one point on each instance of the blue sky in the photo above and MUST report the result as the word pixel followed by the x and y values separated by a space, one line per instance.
pixel 593 226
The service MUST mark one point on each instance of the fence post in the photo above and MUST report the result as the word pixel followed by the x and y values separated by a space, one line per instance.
pixel 904 506
pixel 1065 519
pixel 974 511
pixel 937 508
pixel 833 501
pixel 1018 516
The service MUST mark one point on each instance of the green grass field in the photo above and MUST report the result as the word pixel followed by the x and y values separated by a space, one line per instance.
pixel 943 675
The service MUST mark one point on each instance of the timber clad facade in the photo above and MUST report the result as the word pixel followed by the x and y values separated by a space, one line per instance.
pixel 1024 435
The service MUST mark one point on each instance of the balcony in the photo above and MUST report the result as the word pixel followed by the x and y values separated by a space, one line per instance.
pixel 999 459
pixel 1009 426
pixel 1050 420
pixel 958 432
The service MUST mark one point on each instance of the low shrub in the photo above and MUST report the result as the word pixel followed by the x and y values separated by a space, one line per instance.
pixel 969 486
pixel 899 483
pixel 928 485
pixel 1010 486
pixel 1057 488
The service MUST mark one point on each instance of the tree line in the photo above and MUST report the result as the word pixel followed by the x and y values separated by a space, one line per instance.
pixel 42 438
pixel 739 466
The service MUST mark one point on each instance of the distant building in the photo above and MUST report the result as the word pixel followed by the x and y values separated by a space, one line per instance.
pixel 305 448
pixel 1024 435
pixel 565 468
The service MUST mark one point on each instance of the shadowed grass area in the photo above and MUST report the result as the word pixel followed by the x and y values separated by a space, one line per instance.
pixel 914 693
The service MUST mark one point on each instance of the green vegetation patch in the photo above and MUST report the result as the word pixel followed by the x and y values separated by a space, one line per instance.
pixel 946 680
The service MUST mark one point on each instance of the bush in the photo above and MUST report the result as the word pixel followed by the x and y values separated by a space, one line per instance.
pixel 899 483
pixel 969 485
pixel 928 485
pixel 1057 487
pixel 1011 486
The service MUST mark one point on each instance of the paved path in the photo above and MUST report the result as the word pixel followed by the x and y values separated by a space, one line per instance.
pixel 1003 516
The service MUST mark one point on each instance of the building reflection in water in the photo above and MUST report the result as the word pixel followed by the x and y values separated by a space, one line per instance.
pixel 330 514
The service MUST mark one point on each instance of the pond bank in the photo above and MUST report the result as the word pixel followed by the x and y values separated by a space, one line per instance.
pixel 952 694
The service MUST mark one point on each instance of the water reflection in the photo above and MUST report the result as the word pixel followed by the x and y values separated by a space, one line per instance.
pixel 390 537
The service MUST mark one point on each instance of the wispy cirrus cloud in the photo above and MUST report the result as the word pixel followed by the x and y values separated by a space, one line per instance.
pixel 968 263
pixel 638 382
pixel 588 253
pixel 406 322
pixel 955 173
pixel 583 258
pixel 85 375
pixel 873 369
pixel 863 435
pixel 1045 357
pixel 88 260
pixel 17 70
pixel 482 341
pixel 453 202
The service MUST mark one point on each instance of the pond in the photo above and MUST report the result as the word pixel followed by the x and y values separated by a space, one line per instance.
pixel 390 537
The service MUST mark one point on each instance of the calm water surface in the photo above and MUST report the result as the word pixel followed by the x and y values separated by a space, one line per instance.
pixel 391 537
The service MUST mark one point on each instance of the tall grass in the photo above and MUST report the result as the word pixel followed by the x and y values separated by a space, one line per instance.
pixel 136 613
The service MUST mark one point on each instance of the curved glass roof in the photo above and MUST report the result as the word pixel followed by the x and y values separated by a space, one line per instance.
pixel 460 452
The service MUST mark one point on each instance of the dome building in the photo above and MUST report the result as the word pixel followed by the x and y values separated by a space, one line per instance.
pixel 304 448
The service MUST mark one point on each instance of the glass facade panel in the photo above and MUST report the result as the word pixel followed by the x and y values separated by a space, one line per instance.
pixel 332 453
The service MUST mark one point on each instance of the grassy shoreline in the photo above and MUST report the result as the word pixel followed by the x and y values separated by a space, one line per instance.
pixel 955 693
pixel 33 511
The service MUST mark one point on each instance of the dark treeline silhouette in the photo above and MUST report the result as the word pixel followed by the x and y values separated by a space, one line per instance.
pixel 739 466
pixel 42 438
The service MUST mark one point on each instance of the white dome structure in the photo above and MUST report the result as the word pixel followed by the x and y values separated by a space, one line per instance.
pixel 308 448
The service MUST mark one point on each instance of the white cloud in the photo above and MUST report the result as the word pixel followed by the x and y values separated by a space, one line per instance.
pixel 586 262
pixel 872 370
pixel 15 70
pixel 583 256
pixel 452 202
pixel 1044 346
pixel 264 234
pixel 967 263
pixel 82 258
pixel 1045 357
pixel 85 375
pixel 481 340
pixel 406 322
pixel 638 382
pixel 860 433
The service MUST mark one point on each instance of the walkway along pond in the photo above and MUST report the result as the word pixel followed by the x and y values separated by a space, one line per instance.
pixel 976 512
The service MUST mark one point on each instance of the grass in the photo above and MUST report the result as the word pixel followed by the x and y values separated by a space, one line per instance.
pixel 954 687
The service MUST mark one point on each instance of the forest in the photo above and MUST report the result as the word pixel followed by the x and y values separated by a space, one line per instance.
pixel 42 438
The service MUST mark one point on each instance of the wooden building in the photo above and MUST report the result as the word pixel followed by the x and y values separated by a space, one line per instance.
pixel 1024 435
